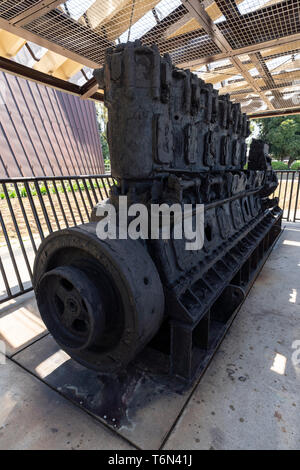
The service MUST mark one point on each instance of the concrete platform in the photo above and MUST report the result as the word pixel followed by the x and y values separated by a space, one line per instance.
pixel 32 416
pixel 249 396
pixel 247 399
pixel 20 323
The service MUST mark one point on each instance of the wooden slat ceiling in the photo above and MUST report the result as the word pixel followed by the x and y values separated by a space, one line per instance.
pixel 247 48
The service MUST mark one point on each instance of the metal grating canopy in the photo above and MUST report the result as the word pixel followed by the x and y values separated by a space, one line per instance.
pixel 10 9
pixel 247 48
pixel 56 27
pixel 245 26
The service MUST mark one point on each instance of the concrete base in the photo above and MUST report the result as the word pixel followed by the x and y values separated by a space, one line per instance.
pixel 247 399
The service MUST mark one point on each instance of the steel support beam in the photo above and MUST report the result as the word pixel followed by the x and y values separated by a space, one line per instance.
pixel 280 112
pixel 89 89
pixel 245 92
pixel 262 68
pixel 248 77
pixel 229 9
pixel 29 36
pixel 243 50
pixel 260 65
pixel 30 14
pixel 197 9
pixel 39 77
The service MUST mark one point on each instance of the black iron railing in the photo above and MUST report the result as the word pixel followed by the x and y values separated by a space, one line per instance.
pixel 288 192
pixel 32 208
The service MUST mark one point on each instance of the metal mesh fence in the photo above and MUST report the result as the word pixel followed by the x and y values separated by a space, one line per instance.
pixel 31 209
pixel 264 35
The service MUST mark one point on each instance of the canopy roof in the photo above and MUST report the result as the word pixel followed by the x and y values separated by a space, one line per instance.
pixel 247 48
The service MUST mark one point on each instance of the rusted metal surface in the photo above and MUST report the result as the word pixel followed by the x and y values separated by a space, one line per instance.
pixel 44 131
pixel 173 140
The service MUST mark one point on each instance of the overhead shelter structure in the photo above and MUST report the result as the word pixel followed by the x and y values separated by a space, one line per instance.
pixel 247 48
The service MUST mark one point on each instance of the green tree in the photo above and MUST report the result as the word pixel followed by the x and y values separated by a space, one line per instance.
pixel 283 136
pixel 102 118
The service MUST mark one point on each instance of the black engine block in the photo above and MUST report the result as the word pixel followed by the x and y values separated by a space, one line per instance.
pixel 173 140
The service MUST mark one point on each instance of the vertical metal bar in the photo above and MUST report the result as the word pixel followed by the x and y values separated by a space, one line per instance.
pixel 108 182
pixel 68 201
pixel 297 198
pixel 51 204
pixel 93 190
pixel 80 192
pixel 25 217
pixel 11 253
pixel 87 193
pixel 291 197
pixel 285 192
pixel 34 211
pixel 104 187
pixel 44 210
pixel 60 204
pixel 99 190
pixel 279 193
pixel 76 202
pixel 12 214
pixel 5 279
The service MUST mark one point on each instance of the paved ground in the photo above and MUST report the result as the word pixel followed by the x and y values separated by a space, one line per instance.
pixel 247 399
